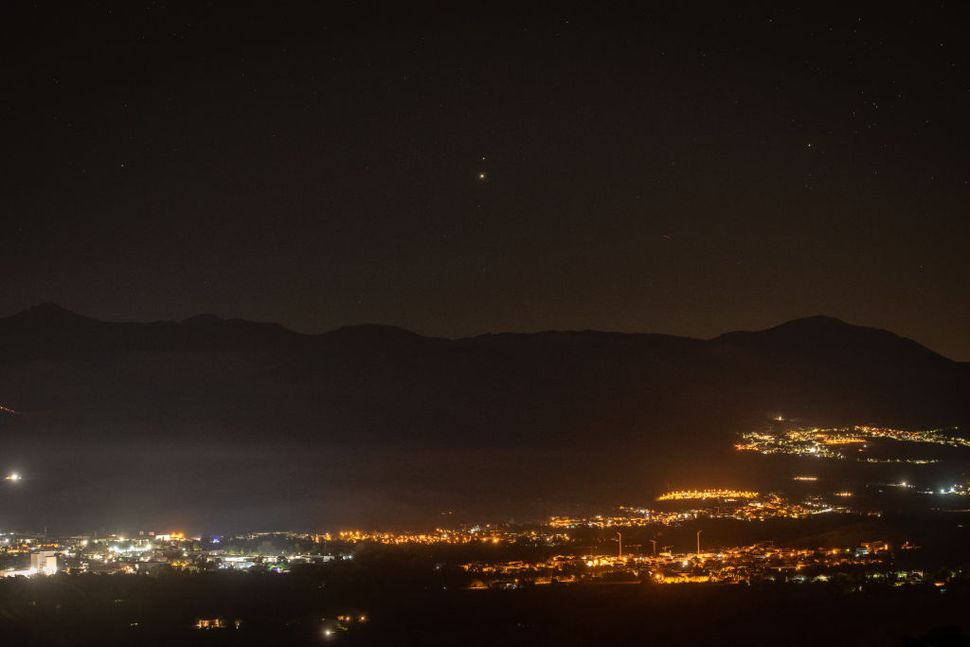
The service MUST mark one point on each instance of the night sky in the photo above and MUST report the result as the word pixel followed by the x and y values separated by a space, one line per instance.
pixel 481 167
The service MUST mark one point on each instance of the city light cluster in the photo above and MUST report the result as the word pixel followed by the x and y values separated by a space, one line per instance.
pixel 481 534
pixel 759 562
pixel 703 495
pixel 740 505
pixel 148 553
pixel 832 442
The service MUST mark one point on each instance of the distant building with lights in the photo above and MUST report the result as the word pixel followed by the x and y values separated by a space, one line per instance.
pixel 43 561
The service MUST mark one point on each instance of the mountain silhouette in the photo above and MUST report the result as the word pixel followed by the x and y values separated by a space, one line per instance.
pixel 527 408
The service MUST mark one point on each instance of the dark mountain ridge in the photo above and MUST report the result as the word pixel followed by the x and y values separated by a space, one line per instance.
pixel 237 372
pixel 255 425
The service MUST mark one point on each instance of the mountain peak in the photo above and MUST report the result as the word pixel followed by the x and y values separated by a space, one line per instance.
pixel 820 334
pixel 46 307
pixel 49 311
pixel 812 326
pixel 203 320
pixel 818 321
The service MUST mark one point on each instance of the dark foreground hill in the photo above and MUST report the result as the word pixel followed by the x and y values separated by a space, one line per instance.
pixel 227 410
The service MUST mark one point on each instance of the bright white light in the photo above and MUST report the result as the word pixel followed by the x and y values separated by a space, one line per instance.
pixel 328 632
pixel 14 476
